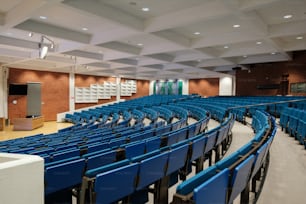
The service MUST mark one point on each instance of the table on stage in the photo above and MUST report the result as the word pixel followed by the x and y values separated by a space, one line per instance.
pixel 28 123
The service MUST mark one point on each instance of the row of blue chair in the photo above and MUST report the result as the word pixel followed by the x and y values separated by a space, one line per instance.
pixel 293 121
pixel 155 166
pixel 229 177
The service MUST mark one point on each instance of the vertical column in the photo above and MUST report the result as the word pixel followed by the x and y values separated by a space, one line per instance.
pixel 118 85
pixel 185 88
pixel 226 86
pixel 71 89
pixel 3 92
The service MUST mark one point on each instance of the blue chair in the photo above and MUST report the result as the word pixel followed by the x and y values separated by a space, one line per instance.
pixel 153 144
pixel 63 176
pixel 177 158
pixel 198 147
pixel 135 149
pixel 260 156
pixel 211 141
pixel 98 160
pixel 214 190
pixel 240 177
pixel 152 169
pixel 189 185
pixel 115 184
pixel 65 154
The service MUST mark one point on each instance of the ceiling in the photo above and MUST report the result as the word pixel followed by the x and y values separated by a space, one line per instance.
pixel 174 39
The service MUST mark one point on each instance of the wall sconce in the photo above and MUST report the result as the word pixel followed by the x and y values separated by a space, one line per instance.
pixel 43 48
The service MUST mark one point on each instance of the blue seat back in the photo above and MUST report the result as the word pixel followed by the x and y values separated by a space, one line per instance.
pixel 177 158
pixel 211 141
pixel 241 177
pixel 115 184
pixel 135 149
pixel 198 148
pixel 153 144
pixel 64 175
pixel 260 157
pixel 152 169
pixel 98 160
pixel 189 185
pixel 206 192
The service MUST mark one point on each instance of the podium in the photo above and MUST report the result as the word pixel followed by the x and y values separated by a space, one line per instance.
pixel 28 123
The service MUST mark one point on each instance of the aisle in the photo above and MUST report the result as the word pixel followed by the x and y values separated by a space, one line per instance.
pixel 286 179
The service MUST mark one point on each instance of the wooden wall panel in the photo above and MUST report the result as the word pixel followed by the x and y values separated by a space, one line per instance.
pixel 54 92
pixel 204 87
pixel 271 73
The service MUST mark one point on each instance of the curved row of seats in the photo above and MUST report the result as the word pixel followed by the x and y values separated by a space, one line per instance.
pixel 172 158
pixel 293 122
pixel 137 151
pixel 233 175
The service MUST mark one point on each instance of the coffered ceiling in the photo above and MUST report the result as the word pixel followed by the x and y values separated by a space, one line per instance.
pixel 150 39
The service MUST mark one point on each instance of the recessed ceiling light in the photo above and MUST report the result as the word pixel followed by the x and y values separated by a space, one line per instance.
pixel 84 29
pixel 43 17
pixel 236 26
pixel 299 37
pixel 258 43
pixel 145 9
pixel 273 53
pixel 196 33
pixel 140 44
pixel 287 16
pixel 225 47
pixel 245 56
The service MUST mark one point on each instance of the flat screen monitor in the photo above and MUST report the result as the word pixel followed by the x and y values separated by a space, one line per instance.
pixel 18 89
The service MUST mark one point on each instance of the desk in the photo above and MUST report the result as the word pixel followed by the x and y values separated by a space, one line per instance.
pixel 28 123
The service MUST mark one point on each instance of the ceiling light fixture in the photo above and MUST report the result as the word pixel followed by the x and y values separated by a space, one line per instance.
pixel 236 26
pixel 287 16
pixel 196 33
pixel 258 43
pixel 43 48
pixel 225 47
pixel 299 37
pixel 145 9
pixel 273 53
pixel 140 44
pixel 30 34
pixel 43 17
pixel 245 56
pixel 84 29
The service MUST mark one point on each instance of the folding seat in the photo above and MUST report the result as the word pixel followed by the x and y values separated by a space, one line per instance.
pixel 177 158
pixel 115 184
pixel 151 170
pixel 240 177
pixel 102 159
pixel 135 149
pixel 63 154
pixel 153 144
pixel 61 178
pixel 293 121
pixel 206 192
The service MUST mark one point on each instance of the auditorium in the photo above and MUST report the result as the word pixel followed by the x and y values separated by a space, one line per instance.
pixel 152 101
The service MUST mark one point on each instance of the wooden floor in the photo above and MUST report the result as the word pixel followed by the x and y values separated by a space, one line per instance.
pixel 49 127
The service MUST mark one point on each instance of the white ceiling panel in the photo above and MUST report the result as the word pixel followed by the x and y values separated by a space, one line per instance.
pixel 175 38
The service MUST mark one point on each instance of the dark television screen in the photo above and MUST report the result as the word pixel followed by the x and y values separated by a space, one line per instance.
pixel 18 89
